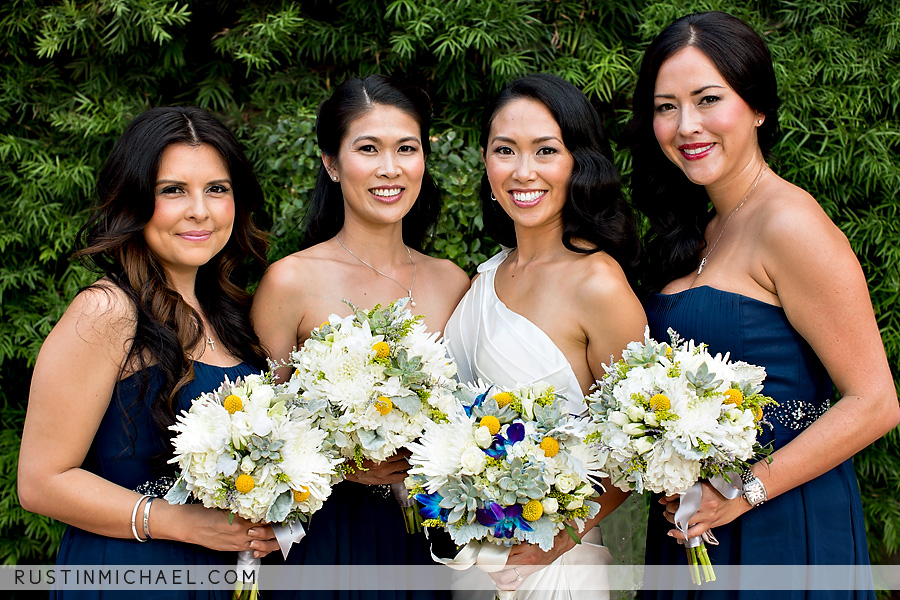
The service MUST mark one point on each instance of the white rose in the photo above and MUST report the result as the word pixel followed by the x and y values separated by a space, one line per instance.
pixel 635 412
pixel 550 505
pixel 247 465
pixel 577 503
pixel 619 418
pixel 633 429
pixel 473 460
pixel 566 482
pixel 643 444
pixel 483 437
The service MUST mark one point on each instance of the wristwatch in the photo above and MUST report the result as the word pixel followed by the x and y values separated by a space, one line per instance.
pixel 754 490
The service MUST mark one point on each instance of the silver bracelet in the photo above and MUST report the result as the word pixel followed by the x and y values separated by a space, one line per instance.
pixel 150 499
pixel 134 517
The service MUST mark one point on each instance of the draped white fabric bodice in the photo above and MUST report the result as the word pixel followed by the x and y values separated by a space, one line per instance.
pixel 495 345
pixel 491 343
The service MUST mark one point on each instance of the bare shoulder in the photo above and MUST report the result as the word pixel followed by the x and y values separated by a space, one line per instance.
pixel 101 313
pixel 792 219
pixel 293 273
pixel 599 279
pixel 444 270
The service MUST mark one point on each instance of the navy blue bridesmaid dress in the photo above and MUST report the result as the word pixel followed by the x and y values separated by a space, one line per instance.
pixel 358 525
pixel 817 523
pixel 122 452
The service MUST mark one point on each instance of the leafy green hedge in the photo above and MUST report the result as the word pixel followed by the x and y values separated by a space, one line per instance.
pixel 73 74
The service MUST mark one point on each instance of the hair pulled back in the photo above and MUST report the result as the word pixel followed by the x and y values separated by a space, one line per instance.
pixel 349 101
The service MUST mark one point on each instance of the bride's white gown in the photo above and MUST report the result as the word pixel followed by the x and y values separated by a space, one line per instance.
pixel 493 344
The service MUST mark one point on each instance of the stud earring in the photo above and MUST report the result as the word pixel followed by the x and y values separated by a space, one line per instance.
pixel 334 177
pixel 759 122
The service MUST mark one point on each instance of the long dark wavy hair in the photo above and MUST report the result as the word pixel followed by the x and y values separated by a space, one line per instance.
pixel 595 209
pixel 112 242
pixel 350 100
pixel 679 210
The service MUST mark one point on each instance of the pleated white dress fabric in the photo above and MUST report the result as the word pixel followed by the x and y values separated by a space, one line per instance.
pixel 493 344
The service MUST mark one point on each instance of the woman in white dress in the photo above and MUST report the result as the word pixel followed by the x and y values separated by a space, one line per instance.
pixel 556 303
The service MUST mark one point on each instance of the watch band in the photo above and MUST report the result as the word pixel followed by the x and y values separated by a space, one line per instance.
pixel 754 490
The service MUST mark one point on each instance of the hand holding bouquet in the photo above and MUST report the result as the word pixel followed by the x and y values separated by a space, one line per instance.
pixel 509 467
pixel 246 448
pixel 669 415
pixel 373 380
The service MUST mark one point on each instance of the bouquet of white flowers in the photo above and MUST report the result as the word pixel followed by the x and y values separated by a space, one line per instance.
pixel 669 415
pixel 508 467
pixel 246 448
pixel 373 380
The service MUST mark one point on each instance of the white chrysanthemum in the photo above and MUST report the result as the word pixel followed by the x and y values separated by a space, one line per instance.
pixel 667 472
pixel 438 454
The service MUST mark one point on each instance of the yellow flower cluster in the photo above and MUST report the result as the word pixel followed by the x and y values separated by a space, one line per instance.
pixel 382 350
pixel 302 494
pixel 491 422
pixel 533 510
pixel 503 398
pixel 550 447
pixel 244 483
pixel 384 404
pixel 660 402
pixel 232 404
pixel 734 396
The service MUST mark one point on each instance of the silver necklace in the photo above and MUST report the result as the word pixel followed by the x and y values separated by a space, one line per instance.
pixel 408 253
pixel 716 243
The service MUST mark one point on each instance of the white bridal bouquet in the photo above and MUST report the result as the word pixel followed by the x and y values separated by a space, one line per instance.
pixel 509 466
pixel 373 380
pixel 247 448
pixel 669 415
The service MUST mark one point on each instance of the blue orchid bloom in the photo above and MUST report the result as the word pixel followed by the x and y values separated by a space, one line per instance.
pixel 479 400
pixel 504 521
pixel 431 506
pixel 515 433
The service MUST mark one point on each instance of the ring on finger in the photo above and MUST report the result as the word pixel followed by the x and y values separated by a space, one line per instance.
pixel 518 575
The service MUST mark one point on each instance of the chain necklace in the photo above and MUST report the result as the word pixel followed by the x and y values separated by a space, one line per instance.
pixel 716 243
pixel 408 253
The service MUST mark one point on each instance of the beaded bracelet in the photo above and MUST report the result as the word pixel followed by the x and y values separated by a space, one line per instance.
pixel 147 518
pixel 134 517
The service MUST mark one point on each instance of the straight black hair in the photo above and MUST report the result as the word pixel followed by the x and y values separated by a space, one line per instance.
pixel 350 100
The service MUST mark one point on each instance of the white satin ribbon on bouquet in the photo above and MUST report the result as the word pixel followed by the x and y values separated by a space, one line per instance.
pixel 690 504
pixel 486 557
pixel 288 535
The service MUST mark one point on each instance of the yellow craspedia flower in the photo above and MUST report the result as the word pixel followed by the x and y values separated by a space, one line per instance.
pixel 232 403
pixel 384 405
pixel 533 510
pixel 382 350
pixel 244 483
pixel 491 422
pixel 734 396
pixel 503 398
pixel 758 413
pixel 550 447
pixel 669 352
pixel 660 402
pixel 302 494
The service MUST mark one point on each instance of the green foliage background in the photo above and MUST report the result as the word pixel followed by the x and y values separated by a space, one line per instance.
pixel 73 74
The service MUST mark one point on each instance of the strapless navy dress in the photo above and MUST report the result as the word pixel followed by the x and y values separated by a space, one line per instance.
pixel 358 525
pixel 121 452
pixel 817 523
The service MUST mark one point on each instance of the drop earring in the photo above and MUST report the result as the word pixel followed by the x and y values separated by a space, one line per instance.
pixel 494 198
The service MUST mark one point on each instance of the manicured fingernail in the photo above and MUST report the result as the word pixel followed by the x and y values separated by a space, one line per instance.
pixel 251 532
pixel 670 534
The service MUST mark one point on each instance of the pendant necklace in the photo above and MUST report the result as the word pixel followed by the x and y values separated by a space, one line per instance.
pixel 408 253
pixel 716 243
